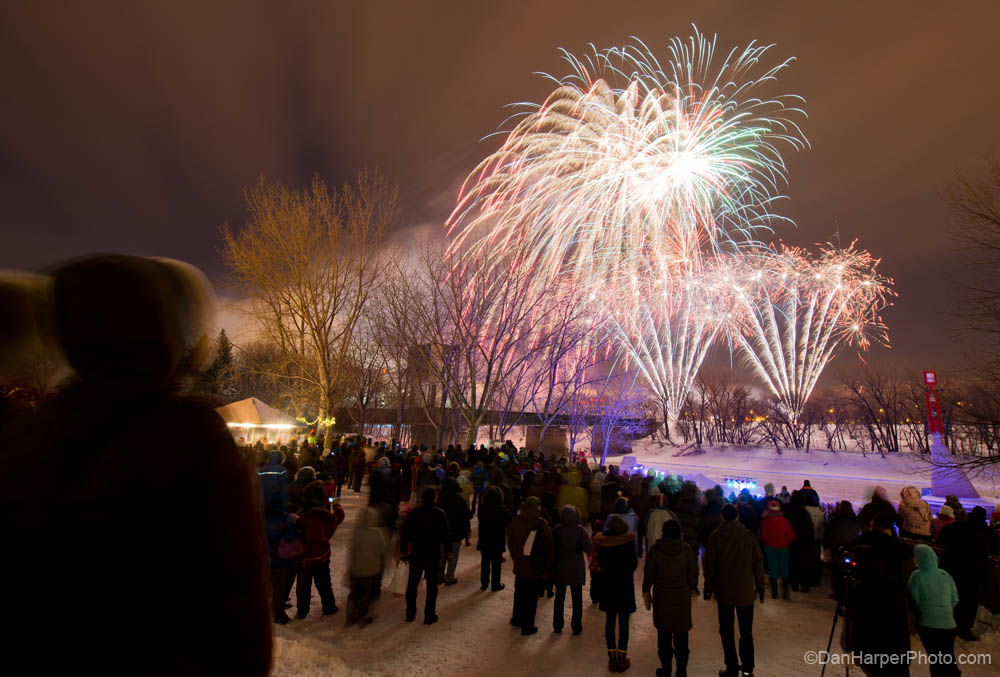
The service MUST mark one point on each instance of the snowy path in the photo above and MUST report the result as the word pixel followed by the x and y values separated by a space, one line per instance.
pixel 474 637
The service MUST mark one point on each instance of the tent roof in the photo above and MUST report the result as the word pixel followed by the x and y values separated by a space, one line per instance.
pixel 252 412
pixel 702 482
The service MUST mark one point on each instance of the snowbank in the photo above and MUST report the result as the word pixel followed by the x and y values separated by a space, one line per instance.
pixel 835 475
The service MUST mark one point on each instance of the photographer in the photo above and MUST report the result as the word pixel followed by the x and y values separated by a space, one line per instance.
pixel 875 610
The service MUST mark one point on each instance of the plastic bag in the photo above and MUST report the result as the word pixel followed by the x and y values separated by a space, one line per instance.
pixel 397 585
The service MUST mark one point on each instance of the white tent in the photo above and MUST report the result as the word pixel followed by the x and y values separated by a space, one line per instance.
pixel 251 420
pixel 702 482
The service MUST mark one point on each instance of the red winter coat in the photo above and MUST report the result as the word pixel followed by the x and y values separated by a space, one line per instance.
pixel 776 531
pixel 317 526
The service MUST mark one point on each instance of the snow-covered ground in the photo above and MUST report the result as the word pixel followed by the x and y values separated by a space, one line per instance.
pixel 842 475
pixel 473 635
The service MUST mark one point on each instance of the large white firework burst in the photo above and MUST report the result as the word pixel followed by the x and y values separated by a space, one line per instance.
pixel 632 166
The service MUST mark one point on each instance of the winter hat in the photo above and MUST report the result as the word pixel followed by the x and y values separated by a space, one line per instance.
pixel 947 511
pixel 729 512
pixel 616 525
pixel 774 506
pixel 671 529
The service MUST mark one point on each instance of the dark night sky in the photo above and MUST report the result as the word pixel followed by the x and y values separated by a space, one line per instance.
pixel 134 126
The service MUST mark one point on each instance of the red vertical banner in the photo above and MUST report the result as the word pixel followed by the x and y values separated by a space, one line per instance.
pixel 935 422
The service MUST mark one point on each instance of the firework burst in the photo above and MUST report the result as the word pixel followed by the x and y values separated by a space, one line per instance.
pixel 631 167
pixel 792 312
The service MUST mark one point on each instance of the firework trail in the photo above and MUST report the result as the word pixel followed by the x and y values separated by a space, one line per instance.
pixel 631 167
pixel 666 328
pixel 792 312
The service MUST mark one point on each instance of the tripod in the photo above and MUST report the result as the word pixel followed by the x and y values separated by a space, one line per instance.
pixel 845 576
pixel 833 629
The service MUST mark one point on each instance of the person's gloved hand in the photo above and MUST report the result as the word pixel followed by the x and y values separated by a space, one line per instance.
pixel 708 594
pixel 647 599
pixel 760 595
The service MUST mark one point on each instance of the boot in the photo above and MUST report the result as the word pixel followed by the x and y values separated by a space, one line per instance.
pixel 623 661
pixel 784 589
pixel 774 587
pixel 613 660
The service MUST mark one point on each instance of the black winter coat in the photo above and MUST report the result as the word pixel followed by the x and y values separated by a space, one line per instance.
pixel 571 544
pixel 734 565
pixel 671 572
pixel 967 547
pixel 459 517
pixel 425 533
pixel 686 508
pixel 492 524
pixel 618 561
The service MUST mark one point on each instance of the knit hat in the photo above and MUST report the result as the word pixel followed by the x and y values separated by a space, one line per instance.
pixel 729 512
pixel 774 506
pixel 616 525
pixel 947 511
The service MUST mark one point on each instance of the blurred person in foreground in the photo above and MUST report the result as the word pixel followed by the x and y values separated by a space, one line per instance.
pixel 367 562
pixel 141 589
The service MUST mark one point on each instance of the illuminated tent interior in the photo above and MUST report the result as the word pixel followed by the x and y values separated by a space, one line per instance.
pixel 250 420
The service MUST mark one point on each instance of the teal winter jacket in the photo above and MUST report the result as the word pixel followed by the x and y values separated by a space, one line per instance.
pixel 933 590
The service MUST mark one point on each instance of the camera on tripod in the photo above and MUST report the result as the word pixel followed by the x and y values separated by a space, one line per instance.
pixel 847 566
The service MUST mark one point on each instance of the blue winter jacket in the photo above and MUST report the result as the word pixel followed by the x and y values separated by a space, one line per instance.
pixel 933 590
pixel 273 479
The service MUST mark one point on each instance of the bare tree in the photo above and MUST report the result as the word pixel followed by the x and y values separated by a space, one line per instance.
pixel 877 398
pixel 365 382
pixel 389 324
pixel 307 262
pixel 620 408
pixel 476 327
pixel 976 225
pixel 567 354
